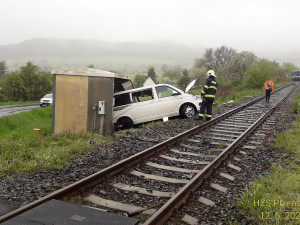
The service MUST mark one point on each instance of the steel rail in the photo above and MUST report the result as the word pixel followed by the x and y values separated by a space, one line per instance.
pixel 97 177
pixel 164 213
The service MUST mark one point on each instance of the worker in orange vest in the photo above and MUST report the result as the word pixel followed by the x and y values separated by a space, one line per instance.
pixel 269 87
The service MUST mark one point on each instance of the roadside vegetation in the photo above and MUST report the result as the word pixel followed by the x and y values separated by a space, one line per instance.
pixel 30 83
pixel 275 199
pixel 237 94
pixel 235 71
pixel 21 150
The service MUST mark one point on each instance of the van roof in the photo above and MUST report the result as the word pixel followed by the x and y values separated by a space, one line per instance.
pixel 142 88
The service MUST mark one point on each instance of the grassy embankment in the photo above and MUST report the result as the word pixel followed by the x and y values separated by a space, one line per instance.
pixel 275 199
pixel 22 150
pixel 235 94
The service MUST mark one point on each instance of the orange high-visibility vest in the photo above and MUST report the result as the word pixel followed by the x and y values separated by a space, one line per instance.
pixel 266 85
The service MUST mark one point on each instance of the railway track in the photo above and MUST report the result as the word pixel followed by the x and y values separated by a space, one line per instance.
pixel 178 166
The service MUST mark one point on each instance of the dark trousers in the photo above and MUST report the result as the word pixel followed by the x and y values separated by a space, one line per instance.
pixel 206 104
pixel 268 94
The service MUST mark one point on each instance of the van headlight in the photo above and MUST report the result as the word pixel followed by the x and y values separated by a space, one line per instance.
pixel 197 97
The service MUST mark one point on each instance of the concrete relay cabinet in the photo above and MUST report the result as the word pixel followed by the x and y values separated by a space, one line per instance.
pixel 83 99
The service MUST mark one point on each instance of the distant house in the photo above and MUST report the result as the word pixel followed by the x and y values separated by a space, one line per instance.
pixel 148 82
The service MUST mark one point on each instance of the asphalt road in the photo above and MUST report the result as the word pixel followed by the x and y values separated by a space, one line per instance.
pixel 8 110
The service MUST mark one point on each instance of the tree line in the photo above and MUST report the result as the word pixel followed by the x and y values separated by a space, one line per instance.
pixel 232 68
pixel 30 83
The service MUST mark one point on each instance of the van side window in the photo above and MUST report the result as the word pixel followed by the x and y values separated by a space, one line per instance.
pixel 143 95
pixel 122 99
pixel 165 91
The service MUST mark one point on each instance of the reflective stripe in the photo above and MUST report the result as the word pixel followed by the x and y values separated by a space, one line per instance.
pixel 214 87
pixel 209 116
pixel 205 86
pixel 210 96
pixel 201 115
pixel 214 82
pixel 202 92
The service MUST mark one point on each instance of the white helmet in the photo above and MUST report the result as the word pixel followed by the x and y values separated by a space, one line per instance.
pixel 211 73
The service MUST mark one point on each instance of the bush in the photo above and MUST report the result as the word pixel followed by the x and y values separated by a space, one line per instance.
pixel 139 80
pixel 28 84
pixel 259 72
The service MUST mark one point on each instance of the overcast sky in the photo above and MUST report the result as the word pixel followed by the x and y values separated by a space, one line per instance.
pixel 252 25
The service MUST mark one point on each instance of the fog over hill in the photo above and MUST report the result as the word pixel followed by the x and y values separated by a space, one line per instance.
pixel 125 57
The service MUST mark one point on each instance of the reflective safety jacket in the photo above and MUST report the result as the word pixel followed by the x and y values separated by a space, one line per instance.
pixel 210 88
pixel 270 83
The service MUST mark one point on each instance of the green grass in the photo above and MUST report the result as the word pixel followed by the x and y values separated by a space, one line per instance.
pixel 296 104
pixel 280 190
pixel 24 123
pixel 238 95
pixel 17 103
pixel 222 144
pixel 273 199
pixel 195 91
pixel 21 150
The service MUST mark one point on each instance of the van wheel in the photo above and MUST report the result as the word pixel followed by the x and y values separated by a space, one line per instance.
pixel 187 111
pixel 124 122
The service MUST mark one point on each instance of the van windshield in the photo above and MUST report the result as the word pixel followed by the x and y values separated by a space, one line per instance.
pixel 165 91
pixel 48 96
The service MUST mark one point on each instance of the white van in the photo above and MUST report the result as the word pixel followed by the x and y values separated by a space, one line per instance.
pixel 150 103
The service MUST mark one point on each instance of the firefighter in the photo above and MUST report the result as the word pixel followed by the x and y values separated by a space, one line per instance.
pixel 269 87
pixel 208 95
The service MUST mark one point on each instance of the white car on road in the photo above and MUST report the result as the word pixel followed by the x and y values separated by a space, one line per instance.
pixel 155 102
pixel 46 100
